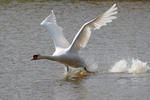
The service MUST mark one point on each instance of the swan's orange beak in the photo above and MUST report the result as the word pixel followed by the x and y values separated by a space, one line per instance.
pixel 34 58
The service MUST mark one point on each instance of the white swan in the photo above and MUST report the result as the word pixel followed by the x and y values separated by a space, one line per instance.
pixel 66 53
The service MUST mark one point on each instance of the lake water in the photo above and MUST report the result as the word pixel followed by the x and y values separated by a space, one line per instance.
pixel 21 36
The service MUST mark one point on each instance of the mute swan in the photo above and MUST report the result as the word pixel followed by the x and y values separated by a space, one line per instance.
pixel 66 53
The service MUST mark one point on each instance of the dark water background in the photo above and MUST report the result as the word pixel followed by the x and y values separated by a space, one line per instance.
pixel 21 36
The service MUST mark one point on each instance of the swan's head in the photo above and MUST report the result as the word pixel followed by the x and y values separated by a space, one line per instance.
pixel 36 57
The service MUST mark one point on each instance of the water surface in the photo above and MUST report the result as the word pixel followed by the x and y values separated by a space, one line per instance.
pixel 21 36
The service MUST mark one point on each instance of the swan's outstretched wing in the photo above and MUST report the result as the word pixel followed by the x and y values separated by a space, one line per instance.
pixel 56 31
pixel 84 33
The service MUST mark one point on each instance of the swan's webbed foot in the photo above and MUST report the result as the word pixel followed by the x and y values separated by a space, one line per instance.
pixel 86 70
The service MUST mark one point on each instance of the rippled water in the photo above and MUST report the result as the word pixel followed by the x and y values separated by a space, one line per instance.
pixel 21 36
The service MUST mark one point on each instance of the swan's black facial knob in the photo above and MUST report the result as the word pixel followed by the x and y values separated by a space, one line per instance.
pixel 35 57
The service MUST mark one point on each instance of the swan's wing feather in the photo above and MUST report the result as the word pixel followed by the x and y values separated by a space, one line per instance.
pixel 56 32
pixel 82 37
pixel 105 18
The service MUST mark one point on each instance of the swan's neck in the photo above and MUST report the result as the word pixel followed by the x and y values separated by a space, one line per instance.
pixel 47 57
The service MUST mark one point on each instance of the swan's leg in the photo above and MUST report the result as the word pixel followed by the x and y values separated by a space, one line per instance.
pixel 67 73
pixel 67 67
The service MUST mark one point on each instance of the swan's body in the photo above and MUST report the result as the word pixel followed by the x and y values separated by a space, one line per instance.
pixel 66 53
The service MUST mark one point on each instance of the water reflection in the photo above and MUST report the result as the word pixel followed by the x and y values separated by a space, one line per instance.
pixel 79 89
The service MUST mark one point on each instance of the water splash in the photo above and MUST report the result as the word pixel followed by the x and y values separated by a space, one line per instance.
pixel 93 67
pixel 80 72
pixel 92 63
pixel 76 73
pixel 138 67
pixel 135 66
pixel 120 66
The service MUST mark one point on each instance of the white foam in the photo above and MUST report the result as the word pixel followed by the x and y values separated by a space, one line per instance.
pixel 138 66
pixel 120 66
pixel 135 66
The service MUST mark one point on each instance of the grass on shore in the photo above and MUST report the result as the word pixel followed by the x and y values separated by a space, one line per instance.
pixel 24 1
